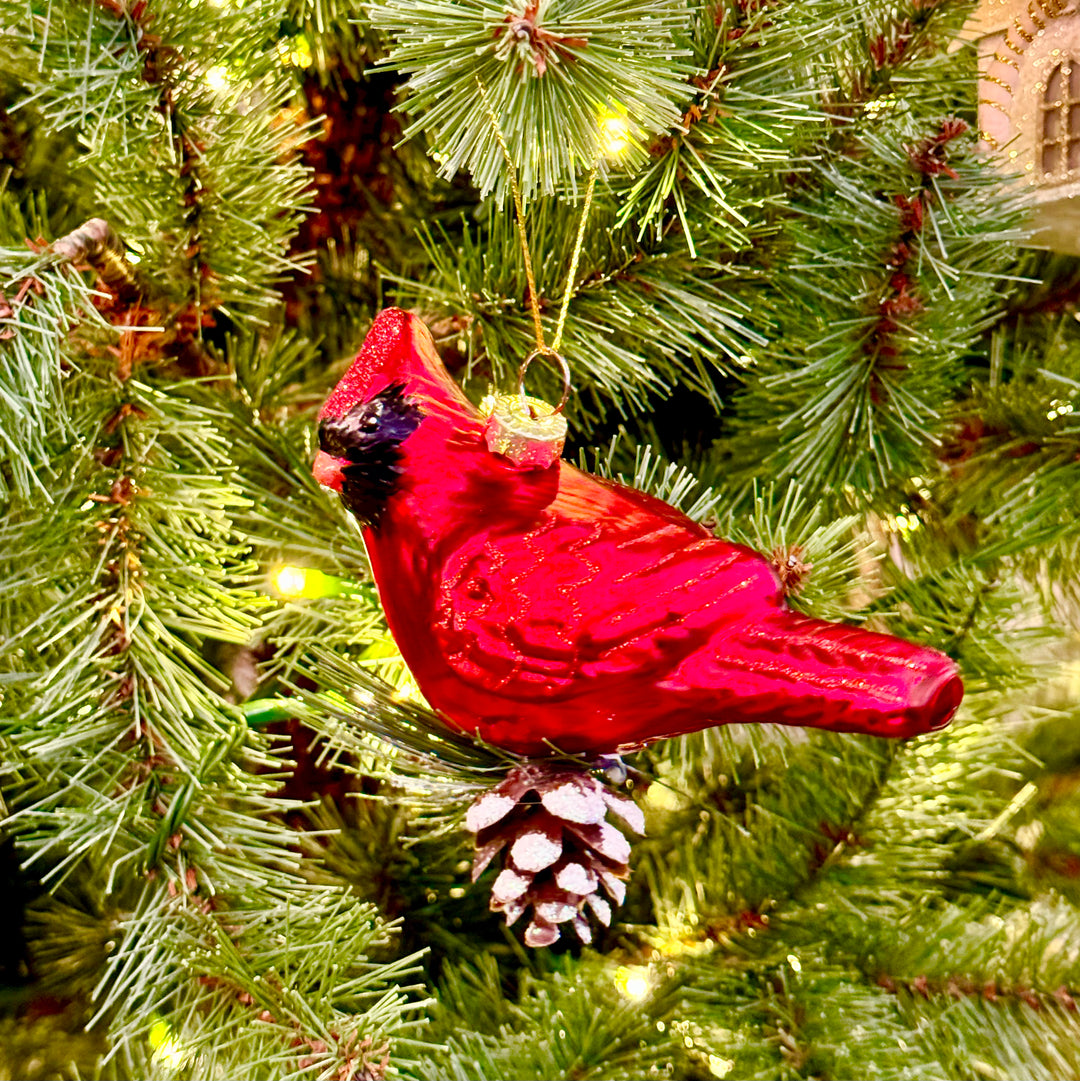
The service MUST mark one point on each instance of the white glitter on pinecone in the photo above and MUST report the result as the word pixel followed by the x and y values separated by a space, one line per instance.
pixel 509 886
pixel 540 935
pixel 554 911
pixel 576 878
pixel 601 908
pixel 535 851
pixel 573 802
pixel 487 810
pixel 550 824
pixel 627 810
pixel 615 887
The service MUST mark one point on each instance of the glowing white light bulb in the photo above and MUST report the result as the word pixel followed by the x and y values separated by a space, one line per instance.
pixel 615 134
pixel 633 982
pixel 166 1049
pixel 218 77
pixel 291 581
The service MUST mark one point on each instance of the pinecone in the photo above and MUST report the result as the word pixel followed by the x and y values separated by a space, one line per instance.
pixel 561 849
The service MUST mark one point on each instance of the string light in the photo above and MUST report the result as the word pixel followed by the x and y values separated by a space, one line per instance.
pixel 633 981
pixel 661 797
pixel 294 583
pixel 887 103
pixel 614 133
pixel 167 1050
pixel 218 77
pixel 905 522
pixel 720 1067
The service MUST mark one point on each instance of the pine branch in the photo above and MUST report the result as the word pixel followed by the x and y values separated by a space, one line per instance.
pixel 879 349
pixel 638 322
pixel 553 71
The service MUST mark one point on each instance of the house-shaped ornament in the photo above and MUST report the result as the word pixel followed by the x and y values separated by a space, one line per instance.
pixel 1029 105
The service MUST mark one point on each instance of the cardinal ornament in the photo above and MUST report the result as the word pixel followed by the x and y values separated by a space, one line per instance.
pixel 545 609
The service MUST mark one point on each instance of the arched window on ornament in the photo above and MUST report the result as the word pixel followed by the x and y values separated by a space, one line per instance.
pixel 1060 145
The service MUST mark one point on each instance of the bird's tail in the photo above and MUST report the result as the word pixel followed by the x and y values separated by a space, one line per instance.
pixel 802 671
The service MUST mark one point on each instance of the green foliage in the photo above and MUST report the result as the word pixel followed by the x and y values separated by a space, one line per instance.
pixel 886 305
pixel 574 1023
pixel 34 417
pixel 719 176
pixel 638 324
pixel 803 250
pixel 209 151
pixel 567 66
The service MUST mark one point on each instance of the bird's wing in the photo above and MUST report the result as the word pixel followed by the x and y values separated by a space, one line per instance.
pixel 574 598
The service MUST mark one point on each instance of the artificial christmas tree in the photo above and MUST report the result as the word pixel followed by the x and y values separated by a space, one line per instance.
pixel 237 834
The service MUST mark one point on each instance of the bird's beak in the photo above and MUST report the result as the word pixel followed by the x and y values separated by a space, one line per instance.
pixel 327 470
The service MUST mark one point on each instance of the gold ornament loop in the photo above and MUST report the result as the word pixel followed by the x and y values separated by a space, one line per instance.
pixel 564 370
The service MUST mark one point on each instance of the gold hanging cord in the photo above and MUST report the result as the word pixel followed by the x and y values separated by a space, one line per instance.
pixel 519 208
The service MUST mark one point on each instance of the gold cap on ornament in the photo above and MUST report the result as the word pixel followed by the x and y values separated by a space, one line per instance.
pixel 527 430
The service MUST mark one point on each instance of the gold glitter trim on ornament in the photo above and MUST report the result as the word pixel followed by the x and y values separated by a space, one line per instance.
pixel 1014 48
pixel 1029 38
pixel 1059 135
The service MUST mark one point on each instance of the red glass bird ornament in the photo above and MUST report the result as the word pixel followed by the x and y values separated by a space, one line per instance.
pixel 544 608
